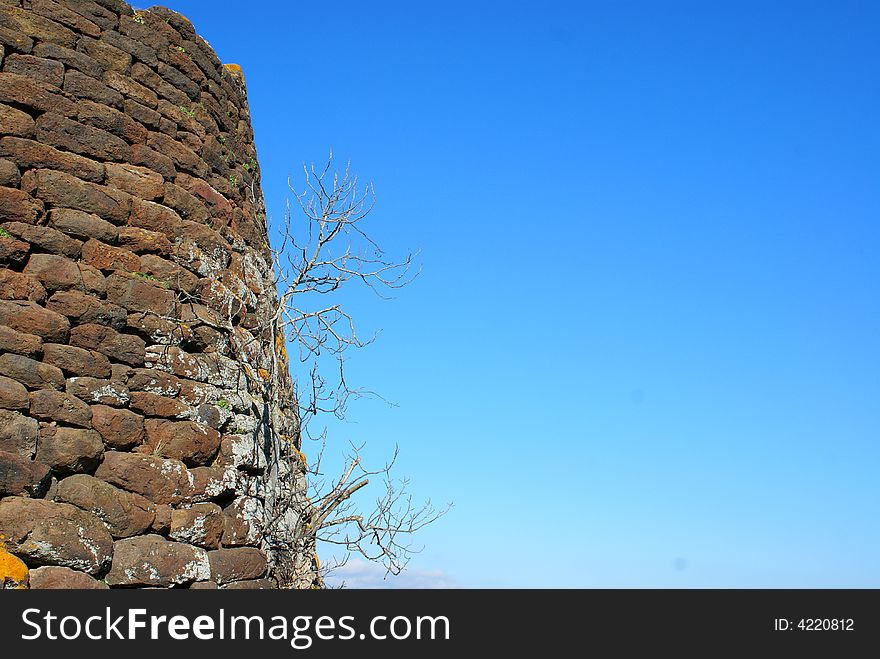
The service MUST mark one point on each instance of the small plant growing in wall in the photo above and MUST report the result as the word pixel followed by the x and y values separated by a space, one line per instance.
pixel 138 18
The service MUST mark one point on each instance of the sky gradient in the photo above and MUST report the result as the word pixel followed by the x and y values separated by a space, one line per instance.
pixel 643 349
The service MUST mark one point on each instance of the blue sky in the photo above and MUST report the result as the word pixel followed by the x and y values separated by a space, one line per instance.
pixel 643 350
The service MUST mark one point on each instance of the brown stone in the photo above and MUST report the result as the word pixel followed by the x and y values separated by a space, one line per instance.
pixel 144 241
pixel 82 225
pixel 109 258
pixel 63 190
pixel 138 181
pixel 95 12
pixel 17 286
pixel 16 122
pixel 154 381
pixel 79 61
pixel 141 51
pixel 151 560
pixel 155 217
pixel 55 273
pixel 29 154
pixel 57 12
pixel 93 280
pixel 141 113
pixel 160 481
pixel 43 70
pixel 12 251
pixel 61 407
pixel 113 121
pixel 20 90
pixel 183 156
pixel 16 40
pixel 204 585
pixel 144 155
pixel 97 390
pixel 121 347
pixel 218 206
pixel 149 78
pixel 46 239
pixel 109 56
pixel 131 88
pixel 9 175
pixel 54 577
pixel 31 373
pixel 48 533
pixel 138 294
pixel 31 318
pixel 18 434
pixel 69 450
pixel 121 373
pixel 179 80
pixel 13 395
pixel 185 203
pixel 58 131
pixel 149 404
pixel 143 31
pixel 87 309
pixel 211 483
pixel 170 274
pixel 202 367
pixel 201 525
pixel 18 206
pixel 85 87
pixel 124 513
pixel 162 523
pixel 20 476
pixel 237 564
pixel 205 249
pixel 76 361
pixel 178 114
pixel 189 442
pixel 121 429
pixel 242 521
pixel 19 342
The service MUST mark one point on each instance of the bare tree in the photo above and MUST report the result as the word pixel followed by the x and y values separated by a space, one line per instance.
pixel 323 248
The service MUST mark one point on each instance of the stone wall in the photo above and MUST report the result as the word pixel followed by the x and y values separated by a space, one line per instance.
pixel 148 436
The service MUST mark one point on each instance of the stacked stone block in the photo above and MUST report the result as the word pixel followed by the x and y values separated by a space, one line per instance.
pixel 147 420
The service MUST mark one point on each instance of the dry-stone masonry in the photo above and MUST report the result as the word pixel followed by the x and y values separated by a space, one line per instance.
pixel 148 430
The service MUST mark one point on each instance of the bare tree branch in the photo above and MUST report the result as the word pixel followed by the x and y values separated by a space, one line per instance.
pixel 319 254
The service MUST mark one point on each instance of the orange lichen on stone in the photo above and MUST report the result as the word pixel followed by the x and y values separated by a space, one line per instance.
pixel 13 572
pixel 235 70
pixel 282 349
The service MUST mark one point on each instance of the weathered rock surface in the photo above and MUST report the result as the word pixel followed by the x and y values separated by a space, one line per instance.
pixel 69 450
pixel 142 395
pixel 157 479
pixel 47 533
pixel 20 476
pixel 238 564
pixel 125 514
pixel 201 525
pixel 53 577
pixel 151 560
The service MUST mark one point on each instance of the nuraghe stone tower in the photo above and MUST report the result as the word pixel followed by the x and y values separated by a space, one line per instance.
pixel 148 430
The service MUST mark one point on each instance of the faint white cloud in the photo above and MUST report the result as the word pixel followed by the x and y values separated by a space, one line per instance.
pixel 358 573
